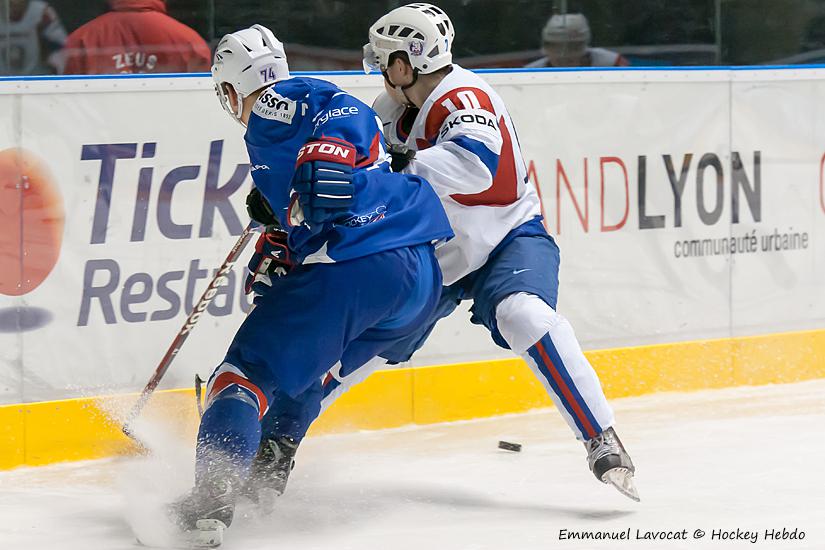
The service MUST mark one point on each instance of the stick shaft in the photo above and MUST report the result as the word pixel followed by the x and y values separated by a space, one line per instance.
pixel 194 316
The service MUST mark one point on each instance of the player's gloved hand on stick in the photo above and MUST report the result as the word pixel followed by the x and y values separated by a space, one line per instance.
pixel 259 209
pixel 271 259
pixel 401 156
pixel 322 185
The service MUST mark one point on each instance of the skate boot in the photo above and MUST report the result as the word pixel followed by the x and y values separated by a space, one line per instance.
pixel 610 463
pixel 205 513
pixel 270 470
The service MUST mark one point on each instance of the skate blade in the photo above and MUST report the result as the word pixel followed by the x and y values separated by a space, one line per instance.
pixel 622 480
pixel 209 534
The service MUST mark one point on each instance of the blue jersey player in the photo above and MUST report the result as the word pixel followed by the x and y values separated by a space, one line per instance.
pixel 345 269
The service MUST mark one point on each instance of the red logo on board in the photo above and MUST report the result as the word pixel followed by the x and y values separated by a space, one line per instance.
pixel 31 222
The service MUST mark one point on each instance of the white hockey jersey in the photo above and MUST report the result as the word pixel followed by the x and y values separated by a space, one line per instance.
pixel 596 57
pixel 468 150
pixel 23 51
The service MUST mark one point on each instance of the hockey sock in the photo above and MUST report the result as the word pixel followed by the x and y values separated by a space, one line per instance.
pixel 291 417
pixel 548 344
pixel 547 360
pixel 228 439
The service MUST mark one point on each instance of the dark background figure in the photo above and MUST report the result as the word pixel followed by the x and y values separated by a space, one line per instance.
pixel 136 36
pixel 30 33
pixel 565 42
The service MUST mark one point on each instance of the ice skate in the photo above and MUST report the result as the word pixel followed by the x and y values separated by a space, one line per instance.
pixel 270 470
pixel 611 464
pixel 204 514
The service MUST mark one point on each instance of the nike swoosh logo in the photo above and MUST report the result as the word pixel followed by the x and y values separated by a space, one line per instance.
pixel 517 271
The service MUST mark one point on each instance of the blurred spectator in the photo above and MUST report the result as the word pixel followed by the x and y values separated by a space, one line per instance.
pixel 28 32
pixel 137 36
pixel 566 43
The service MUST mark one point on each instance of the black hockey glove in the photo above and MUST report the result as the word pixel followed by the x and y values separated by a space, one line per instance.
pixel 259 210
pixel 401 156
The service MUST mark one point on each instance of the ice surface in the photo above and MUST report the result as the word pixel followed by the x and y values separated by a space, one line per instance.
pixel 747 458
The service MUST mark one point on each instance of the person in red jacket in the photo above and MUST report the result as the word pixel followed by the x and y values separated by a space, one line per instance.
pixel 137 36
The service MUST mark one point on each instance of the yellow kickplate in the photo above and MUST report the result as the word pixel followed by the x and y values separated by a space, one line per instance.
pixel 87 428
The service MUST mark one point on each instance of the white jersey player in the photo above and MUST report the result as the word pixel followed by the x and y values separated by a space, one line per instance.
pixel 462 140
pixel 26 31
pixel 466 147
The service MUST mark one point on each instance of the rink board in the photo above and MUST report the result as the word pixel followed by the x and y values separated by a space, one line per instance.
pixel 689 206
pixel 80 429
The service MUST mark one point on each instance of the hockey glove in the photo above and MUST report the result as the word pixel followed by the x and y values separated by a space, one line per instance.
pixel 271 259
pixel 259 209
pixel 401 156
pixel 322 189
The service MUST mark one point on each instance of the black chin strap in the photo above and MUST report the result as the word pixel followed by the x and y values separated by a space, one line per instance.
pixel 403 89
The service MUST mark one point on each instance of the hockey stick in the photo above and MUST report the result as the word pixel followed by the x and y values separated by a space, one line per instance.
pixel 219 280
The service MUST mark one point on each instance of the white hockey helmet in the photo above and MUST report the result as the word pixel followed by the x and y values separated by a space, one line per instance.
pixel 422 31
pixel 247 60
pixel 564 28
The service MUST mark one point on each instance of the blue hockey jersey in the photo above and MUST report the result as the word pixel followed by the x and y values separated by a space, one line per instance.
pixel 390 211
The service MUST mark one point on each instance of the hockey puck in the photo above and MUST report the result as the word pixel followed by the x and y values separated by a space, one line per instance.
pixel 507 446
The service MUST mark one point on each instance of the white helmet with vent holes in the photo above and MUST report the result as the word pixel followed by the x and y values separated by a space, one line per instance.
pixel 422 31
pixel 247 60
pixel 569 27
